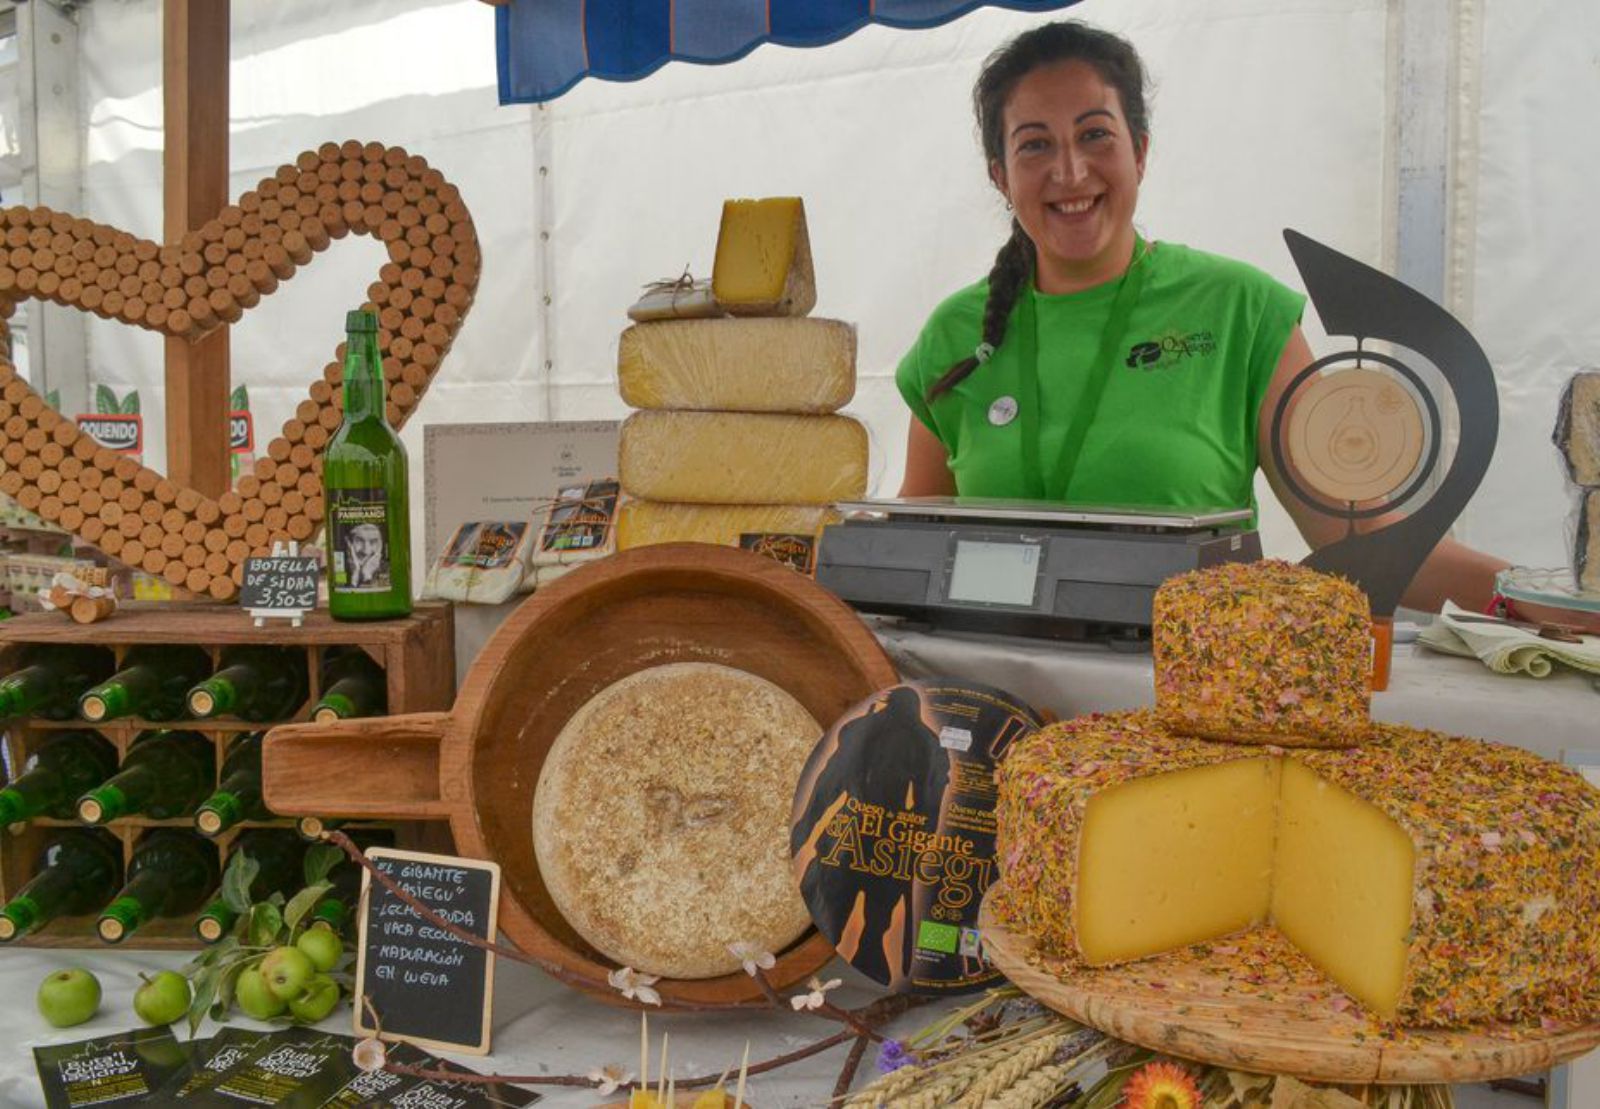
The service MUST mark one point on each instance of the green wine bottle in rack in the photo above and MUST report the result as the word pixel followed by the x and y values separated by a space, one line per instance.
pixel 336 910
pixel 255 683
pixel 51 679
pixel 153 684
pixel 77 872
pixel 63 767
pixel 352 685
pixel 238 795
pixel 171 874
pixel 278 854
pixel 166 775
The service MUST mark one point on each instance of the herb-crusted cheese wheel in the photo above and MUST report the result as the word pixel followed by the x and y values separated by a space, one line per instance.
pixel 660 822
pixel 742 458
pixel 1263 652
pixel 1438 880
pixel 740 365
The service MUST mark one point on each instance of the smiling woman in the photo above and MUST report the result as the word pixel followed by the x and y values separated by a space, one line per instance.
pixel 1091 366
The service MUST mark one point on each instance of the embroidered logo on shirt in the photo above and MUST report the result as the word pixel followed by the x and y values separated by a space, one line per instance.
pixel 1170 352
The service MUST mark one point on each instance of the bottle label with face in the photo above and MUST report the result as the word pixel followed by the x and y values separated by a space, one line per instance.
pixel 359 520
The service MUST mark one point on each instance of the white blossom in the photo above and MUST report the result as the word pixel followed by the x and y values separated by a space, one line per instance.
pixel 814 999
pixel 752 957
pixel 635 986
pixel 608 1078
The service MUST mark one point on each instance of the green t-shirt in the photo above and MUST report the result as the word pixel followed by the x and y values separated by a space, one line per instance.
pixel 1176 424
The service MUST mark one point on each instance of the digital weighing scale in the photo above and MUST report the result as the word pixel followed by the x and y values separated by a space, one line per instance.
pixel 1022 567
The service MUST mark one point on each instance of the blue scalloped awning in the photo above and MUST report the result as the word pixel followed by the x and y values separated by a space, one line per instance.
pixel 547 46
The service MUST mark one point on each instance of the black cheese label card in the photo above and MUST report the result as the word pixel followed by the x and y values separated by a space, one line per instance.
pixel 124 1068
pixel 892 833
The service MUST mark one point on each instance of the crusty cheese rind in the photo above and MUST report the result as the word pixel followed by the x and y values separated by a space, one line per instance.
pixel 1586 543
pixel 742 458
pixel 1263 652
pixel 660 823
pixel 1506 922
pixel 644 523
pixel 739 365
pixel 1577 432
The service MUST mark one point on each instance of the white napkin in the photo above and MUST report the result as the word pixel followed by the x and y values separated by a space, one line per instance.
pixel 1504 647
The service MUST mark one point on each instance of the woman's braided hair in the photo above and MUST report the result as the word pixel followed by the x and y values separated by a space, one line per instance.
pixel 1118 65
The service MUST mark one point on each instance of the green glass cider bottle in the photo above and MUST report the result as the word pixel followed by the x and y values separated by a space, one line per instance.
pixel 166 775
pixel 238 795
pixel 253 682
pixel 364 479
pixel 170 874
pixel 153 684
pixel 278 854
pixel 63 768
pixel 352 685
pixel 51 679
pixel 77 872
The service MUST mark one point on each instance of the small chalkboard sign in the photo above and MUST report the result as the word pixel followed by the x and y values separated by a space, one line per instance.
pixel 427 986
pixel 283 584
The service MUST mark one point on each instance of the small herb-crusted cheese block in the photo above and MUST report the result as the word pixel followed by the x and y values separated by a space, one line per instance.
pixel 1263 652
pixel 1440 881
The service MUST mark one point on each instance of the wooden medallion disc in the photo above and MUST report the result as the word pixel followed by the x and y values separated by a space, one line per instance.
pixel 1354 435
pixel 1253 1003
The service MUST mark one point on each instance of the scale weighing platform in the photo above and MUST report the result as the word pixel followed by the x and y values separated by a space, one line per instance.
pixel 1023 567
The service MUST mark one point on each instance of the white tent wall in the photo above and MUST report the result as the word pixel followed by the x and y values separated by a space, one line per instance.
pixel 1266 114
pixel 1527 237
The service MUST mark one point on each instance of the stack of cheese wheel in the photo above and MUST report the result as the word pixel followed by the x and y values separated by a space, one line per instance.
pixel 1439 881
pixel 738 441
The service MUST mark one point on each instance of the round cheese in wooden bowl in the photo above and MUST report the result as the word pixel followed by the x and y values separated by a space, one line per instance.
pixel 660 821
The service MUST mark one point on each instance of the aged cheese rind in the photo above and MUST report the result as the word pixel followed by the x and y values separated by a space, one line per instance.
pixel 1504 888
pixel 763 260
pixel 742 458
pixel 660 822
pixel 644 523
pixel 1577 433
pixel 1586 543
pixel 1263 652
pixel 739 365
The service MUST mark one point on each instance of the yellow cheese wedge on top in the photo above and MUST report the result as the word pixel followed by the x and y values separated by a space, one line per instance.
pixel 763 263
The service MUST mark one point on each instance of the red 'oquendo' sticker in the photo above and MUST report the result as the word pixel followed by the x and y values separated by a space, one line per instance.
pixel 892 833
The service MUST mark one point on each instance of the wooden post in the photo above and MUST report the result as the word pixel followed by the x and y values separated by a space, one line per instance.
pixel 194 57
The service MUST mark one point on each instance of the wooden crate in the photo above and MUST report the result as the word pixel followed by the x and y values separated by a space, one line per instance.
pixel 417 654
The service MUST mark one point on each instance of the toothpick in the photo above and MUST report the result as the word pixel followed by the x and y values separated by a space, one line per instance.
pixel 644 1050
pixel 744 1069
pixel 661 1085
pixel 672 1091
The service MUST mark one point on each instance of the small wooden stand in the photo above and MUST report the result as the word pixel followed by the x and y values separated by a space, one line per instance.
pixel 417 654
pixel 1290 1025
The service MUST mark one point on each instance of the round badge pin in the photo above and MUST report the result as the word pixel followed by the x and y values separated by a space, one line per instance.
pixel 893 829
pixel 1003 411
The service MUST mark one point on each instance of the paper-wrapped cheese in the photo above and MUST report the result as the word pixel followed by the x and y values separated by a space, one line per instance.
pixel 742 458
pixel 744 365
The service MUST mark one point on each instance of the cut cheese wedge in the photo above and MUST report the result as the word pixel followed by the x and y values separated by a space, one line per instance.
pixel 763 262
pixel 742 458
pixel 1439 881
pixel 747 365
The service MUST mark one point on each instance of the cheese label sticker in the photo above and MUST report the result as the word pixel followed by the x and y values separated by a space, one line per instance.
pixel 360 522
pixel 892 832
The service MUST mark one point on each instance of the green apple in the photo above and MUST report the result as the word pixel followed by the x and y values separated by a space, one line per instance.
pixel 255 997
pixel 162 999
pixel 321 946
pixel 318 1000
pixel 68 997
pixel 288 972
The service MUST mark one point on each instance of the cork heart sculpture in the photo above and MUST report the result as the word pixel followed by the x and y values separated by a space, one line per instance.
pixel 208 280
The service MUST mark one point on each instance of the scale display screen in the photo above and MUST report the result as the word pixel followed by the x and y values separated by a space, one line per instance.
pixel 994 573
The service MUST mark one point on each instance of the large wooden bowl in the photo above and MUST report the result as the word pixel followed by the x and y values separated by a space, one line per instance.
pixel 478 764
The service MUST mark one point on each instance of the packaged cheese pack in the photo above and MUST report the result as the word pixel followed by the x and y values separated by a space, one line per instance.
pixel 485 562
pixel 1577 437
pixel 577 526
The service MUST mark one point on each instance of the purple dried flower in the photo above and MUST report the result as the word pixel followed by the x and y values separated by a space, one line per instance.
pixel 893 1055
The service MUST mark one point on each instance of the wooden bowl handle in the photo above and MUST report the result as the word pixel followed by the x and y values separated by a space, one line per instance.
pixel 376 768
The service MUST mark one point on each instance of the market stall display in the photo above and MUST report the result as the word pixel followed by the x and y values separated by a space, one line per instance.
pixel 480 764
pixel 242 688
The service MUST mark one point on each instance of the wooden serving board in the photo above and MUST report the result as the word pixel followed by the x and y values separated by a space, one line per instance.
pixel 1255 1004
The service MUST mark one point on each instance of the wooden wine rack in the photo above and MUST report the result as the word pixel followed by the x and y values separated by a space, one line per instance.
pixel 417 654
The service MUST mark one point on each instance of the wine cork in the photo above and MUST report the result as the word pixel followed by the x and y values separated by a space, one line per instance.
pixel 145 481
pixel 53 455
pixel 130 525
pixel 111 512
pixel 130 499
pixel 14 452
pixel 154 562
pixel 11 482
pixel 196 532
pixel 302 457
pixel 276 519
pixel 214 541
pixel 316 436
pixel 194 556
pixel 394 414
pixel 207 512
pixel 132 552
pixel 173 521
pixel 294 502
pixel 216 563
pixel 223 588
pixel 70 492
pixel 271 493
pixel 187 501
pixel 151 535
pixel 111 542
pixel 50 507
pixel 173 545
pixel 253 510
pixel 300 528
pixel 175 572
pixel 125 467
pixel 91 502
pixel 310 412
pixel 234 526
pixel 30 468
pixel 91 529
pixel 150 512
pixel 287 475
pixel 278 450
pixel 263 470
pixel 256 535
pixel 29 497
pixel 314 509
pixel 294 431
